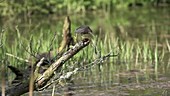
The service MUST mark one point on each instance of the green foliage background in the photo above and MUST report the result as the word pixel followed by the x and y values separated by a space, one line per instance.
pixel 13 7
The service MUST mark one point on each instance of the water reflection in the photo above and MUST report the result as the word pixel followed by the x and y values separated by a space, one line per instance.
pixel 115 82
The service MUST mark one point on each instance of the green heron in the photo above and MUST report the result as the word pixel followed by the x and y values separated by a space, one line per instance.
pixel 85 32
pixel 82 32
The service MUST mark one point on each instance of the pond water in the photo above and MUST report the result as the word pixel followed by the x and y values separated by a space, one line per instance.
pixel 119 77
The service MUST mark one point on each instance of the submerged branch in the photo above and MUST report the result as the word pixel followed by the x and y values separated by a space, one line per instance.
pixel 98 61
pixel 46 76
pixel 32 78
pixel 69 74
pixel 40 80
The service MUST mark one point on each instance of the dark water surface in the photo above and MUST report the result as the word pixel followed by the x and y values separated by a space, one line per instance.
pixel 116 78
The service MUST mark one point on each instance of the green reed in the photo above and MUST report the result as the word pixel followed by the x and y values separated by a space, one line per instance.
pixel 131 52
pixel 139 55
pixel 127 51
pixel 24 48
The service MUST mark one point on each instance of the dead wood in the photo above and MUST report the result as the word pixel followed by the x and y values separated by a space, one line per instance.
pixel 67 37
pixel 40 79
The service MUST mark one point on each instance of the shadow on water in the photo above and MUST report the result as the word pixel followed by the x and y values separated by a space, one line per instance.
pixel 120 76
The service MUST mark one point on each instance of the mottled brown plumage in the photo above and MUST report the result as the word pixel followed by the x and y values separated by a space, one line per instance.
pixel 83 32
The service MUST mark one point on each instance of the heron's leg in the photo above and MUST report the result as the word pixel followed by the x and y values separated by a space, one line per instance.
pixel 94 44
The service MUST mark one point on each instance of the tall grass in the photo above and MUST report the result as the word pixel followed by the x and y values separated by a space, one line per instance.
pixel 126 50
pixel 138 53
pixel 130 54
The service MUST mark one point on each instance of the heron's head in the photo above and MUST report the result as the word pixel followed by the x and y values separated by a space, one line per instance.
pixel 83 30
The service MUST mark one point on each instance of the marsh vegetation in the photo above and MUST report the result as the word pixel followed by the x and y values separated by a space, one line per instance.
pixel 140 37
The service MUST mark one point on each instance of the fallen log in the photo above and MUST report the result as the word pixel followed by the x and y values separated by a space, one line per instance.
pixel 33 78
pixel 40 80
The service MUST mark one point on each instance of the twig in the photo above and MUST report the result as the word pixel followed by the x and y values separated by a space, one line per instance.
pixel 53 91
pixel 38 65
pixel 28 51
pixel 52 40
pixel 16 57
pixel 62 77
pixel 50 47
pixel 168 45
pixel 30 46
pixel 1 38
pixel 69 74
pixel 97 61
